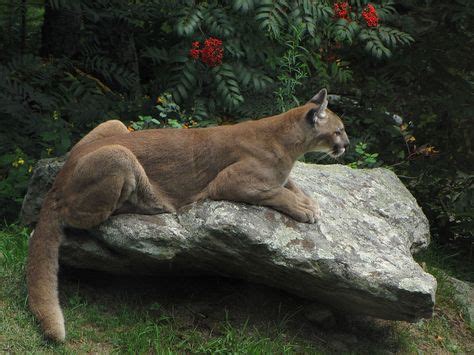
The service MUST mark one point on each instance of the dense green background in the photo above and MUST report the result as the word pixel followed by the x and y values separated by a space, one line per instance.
pixel 67 65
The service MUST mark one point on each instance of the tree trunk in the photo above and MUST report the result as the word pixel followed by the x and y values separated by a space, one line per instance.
pixel 61 31
pixel 137 89
pixel 23 10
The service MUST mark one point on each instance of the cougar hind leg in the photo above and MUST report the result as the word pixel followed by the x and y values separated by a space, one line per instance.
pixel 105 181
pixel 105 129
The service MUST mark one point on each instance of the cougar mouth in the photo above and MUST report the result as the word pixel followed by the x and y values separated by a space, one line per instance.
pixel 337 151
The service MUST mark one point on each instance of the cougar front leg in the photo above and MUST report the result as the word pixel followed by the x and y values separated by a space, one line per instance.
pixel 290 185
pixel 286 201
pixel 240 183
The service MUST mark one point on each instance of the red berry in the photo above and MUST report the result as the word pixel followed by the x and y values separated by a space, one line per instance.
pixel 194 53
pixel 370 16
pixel 211 54
pixel 342 9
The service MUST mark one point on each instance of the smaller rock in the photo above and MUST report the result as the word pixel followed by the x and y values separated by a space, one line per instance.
pixel 465 298
pixel 321 316
pixel 348 339
pixel 338 346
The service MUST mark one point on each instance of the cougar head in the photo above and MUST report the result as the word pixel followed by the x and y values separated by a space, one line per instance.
pixel 328 133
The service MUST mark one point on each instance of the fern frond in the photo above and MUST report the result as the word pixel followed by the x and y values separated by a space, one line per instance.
pixel 391 36
pixel 272 16
pixel 157 55
pixel 111 71
pixel 340 72
pixel 374 44
pixel 252 78
pixel 199 109
pixel 217 22
pixel 227 87
pixel 386 10
pixel 346 31
pixel 243 6
pixel 184 81
pixel 189 19
pixel 313 13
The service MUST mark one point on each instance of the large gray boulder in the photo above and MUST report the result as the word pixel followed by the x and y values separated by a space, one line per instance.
pixel 356 258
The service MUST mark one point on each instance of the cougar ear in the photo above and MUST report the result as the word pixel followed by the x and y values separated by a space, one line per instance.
pixel 321 99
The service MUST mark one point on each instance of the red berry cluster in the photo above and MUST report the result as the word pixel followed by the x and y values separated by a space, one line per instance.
pixel 211 54
pixel 342 9
pixel 195 51
pixel 370 16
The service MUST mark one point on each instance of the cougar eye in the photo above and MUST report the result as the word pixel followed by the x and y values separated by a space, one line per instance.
pixel 337 133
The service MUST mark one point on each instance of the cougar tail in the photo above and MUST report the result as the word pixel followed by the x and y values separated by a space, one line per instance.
pixel 42 272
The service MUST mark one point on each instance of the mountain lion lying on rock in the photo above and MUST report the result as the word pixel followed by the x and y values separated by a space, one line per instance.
pixel 112 171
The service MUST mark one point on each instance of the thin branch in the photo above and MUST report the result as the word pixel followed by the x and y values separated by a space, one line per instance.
pixel 104 87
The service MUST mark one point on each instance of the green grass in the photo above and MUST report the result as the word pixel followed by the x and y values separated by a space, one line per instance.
pixel 107 314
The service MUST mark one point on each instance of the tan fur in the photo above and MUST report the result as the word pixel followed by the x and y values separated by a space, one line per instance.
pixel 113 171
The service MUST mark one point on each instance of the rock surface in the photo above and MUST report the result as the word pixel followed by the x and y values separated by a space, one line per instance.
pixel 357 258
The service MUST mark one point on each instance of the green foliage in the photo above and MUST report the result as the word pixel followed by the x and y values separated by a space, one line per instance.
pixel 293 70
pixel 379 42
pixel 44 107
pixel 243 5
pixel 169 114
pixel 15 171
pixel 168 109
pixel 145 122
pixel 448 199
pixel 374 44
pixel 189 19
pixel 345 31
pixel 108 64
pixel 431 86
pixel 365 159
pixel 254 34
pixel 228 89
pixel 271 16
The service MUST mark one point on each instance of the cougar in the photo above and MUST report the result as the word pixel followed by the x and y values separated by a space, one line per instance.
pixel 113 171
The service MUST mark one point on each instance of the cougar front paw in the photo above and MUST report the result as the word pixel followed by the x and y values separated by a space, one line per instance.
pixel 314 206
pixel 307 211
pixel 305 216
